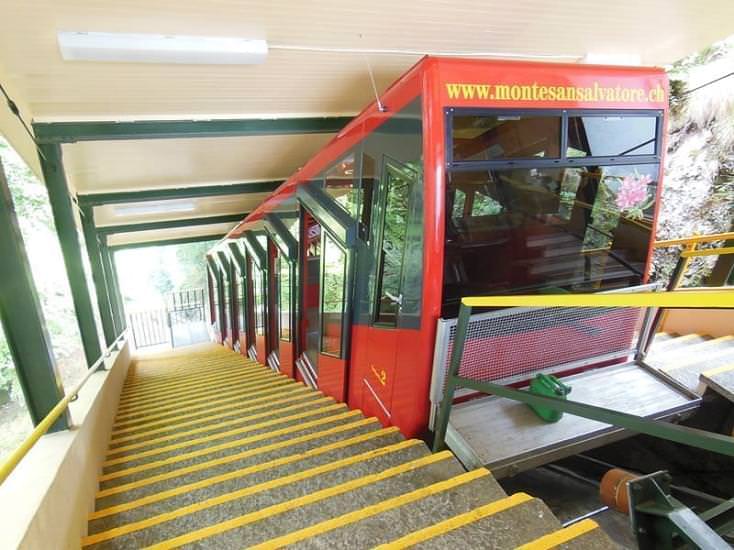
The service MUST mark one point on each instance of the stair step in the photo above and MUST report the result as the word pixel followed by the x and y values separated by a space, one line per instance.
pixel 219 431
pixel 223 449
pixel 667 346
pixel 583 535
pixel 305 444
pixel 260 510
pixel 283 465
pixel 407 513
pixel 211 450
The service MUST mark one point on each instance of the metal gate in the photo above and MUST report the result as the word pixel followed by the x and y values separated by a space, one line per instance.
pixel 150 328
pixel 187 321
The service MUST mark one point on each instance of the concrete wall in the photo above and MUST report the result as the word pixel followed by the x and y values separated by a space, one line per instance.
pixel 46 500
pixel 714 322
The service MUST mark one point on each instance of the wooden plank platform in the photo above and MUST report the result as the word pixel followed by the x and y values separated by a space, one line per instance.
pixel 508 437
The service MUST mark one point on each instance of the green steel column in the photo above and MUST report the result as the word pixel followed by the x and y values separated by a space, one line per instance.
pixel 22 318
pixel 118 306
pixel 101 284
pixel 66 228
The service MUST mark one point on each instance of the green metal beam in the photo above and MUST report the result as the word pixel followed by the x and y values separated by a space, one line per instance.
pixel 66 228
pixel 169 242
pixel 101 285
pixel 98 199
pixel 113 286
pixel 170 224
pixel 22 319
pixel 70 132
pixel 702 439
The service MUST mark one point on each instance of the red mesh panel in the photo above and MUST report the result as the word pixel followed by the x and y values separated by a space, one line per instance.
pixel 532 340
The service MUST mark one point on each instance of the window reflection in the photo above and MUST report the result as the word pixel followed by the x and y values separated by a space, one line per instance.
pixel 259 298
pixel 333 297
pixel 611 136
pixel 284 289
pixel 393 247
pixel 340 183
pixel 548 229
pixel 495 137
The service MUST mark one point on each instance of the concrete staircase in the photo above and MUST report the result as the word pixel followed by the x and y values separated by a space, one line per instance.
pixel 696 361
pixel 210 450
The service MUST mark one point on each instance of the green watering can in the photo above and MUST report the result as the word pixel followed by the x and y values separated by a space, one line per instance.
pixel 546 384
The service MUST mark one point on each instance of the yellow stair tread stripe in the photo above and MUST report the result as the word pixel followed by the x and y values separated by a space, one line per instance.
pixel 195 391
pixel 223 435
pixel 255 468
pixel 222 446
pixel 718 370
pixel 304 500
pixel 145 382
pixel 562 536
pixel 263 379
pixel 243 391
pixel 217 425
pixel 189 382
pixel 178 472
pixel 168 417
pixel 179 373
pixel 206 420
pixel 375 509
pixel 455 522
pixel 245 492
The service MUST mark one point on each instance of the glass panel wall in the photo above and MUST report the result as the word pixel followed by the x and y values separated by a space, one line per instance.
pixel 335 266
pixel 36 222
pixel 15 421
pixel 611 135
pixel 548 229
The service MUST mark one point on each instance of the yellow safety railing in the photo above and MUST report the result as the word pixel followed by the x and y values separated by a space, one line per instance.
pixel 691 250
pixel 694 299
pixel 44 425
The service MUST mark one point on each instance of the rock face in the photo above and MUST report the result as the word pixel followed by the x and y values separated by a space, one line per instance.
pixel 698 191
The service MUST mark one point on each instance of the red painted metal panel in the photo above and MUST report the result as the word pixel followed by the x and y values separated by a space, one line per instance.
pixel 287 360
pixel 405 355
pixel 333 376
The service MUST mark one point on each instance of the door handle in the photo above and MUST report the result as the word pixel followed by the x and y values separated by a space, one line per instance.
pixel 395 299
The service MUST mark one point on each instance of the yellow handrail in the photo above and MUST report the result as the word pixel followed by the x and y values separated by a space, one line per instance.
pixel 695 239
pixel 54 414
pixel 722 299
pixel 723 251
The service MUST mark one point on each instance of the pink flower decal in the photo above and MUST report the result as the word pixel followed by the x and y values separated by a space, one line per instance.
pixel 633 192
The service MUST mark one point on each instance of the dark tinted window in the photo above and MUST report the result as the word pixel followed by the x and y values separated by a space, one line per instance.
pixel 547 230
pixel 500 137
pixel 611 136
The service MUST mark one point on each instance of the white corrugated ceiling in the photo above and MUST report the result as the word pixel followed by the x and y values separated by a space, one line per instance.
pixel 292 82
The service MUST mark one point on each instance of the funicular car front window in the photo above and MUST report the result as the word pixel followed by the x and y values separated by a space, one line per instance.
pixel 503 136
pixel 578 223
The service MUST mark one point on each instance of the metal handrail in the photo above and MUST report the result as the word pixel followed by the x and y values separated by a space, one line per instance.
pixel 720 299
pixel 54 414
pixel 695 239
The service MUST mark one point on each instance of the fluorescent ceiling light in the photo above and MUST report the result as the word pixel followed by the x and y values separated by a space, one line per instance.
pixel 154 207
pixel 160 48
